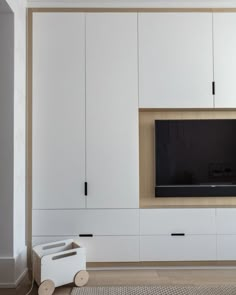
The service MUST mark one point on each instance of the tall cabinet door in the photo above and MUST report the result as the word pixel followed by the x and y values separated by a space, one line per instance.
pixel 225 59
pixel 58 135
pixel 112 110
pixel 175 60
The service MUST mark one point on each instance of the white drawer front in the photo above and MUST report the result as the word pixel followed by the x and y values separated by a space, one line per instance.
pixel 108 249
pixel 226 221
pixel 167 248
pixel 167 221
pixel 103 249
pixel 75 222
pixel 226 245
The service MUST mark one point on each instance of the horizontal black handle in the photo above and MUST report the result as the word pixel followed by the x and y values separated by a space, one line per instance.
pixel 86 235
pixel 178 234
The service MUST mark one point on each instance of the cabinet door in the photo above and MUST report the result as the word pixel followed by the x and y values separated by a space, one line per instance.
pixel 226 233
pixel 225 59
pixel 226 221
pixel 187 248
pixel 175 60
pixel 107 222
pixel 226 247
pixel 112 110
pixel 101 248
pixel 180 220
pixel 58 139
pixel 111 248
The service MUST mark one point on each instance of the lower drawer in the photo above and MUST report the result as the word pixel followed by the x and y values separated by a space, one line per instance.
pixel 99 222
pixel 102 248
pixel 178 248
pixel 226 247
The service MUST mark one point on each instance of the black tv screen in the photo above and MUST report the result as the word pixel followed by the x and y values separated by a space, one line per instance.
pixel 195 158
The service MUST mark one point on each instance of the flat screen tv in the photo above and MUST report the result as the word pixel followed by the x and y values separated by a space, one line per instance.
pixel 195 158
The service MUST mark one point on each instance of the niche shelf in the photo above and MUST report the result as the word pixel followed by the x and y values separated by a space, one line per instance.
pixel 146 158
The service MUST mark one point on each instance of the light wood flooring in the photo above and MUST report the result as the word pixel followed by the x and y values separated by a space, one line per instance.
pixel 140 277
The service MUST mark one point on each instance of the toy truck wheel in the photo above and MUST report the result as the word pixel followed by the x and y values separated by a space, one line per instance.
pixel 47 287
pixel 81 278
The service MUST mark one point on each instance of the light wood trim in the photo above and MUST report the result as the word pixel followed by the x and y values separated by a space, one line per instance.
pixel 188 202
pixel 169 110
pixel 161 264
pixel 99 10
pixel 147 165
pixel 75 245
pixel 29 133
pixel 135 10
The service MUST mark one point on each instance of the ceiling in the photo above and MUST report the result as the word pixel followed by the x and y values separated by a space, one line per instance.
pixel 4 7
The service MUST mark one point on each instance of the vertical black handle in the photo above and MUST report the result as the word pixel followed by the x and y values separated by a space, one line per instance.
pixel 85 188
pixel 213 87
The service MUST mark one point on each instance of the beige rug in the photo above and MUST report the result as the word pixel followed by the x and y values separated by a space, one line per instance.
pixel 158 290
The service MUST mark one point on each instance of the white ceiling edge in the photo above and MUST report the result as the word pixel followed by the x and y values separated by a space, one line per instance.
pixel 132 3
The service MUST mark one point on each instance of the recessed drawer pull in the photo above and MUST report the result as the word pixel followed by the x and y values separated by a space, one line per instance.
pixel 86 235
pixel 63 255
pixel 178 234
pixel 54 246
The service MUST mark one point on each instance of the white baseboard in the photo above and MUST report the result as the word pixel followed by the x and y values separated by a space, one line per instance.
pixel 16 283
pixel 13 269
pixel 21 277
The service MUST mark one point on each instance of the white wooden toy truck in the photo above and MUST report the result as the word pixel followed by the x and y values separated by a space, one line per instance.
pixel 59 263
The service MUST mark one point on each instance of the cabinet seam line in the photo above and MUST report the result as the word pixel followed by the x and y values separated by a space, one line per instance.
pixel 138 54
pixel 213 54
pixel 85 104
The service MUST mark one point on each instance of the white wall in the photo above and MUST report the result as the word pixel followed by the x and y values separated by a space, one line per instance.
pixel 19 10
pixel 19 127
pixel 13 156
pixel 6 132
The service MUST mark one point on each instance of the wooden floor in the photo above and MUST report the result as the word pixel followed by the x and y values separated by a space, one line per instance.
pixel 140 277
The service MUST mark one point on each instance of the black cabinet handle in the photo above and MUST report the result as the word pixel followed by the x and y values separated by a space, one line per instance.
pixel 86 235
pixel 178 234
pixel 85 188
pixel 213 88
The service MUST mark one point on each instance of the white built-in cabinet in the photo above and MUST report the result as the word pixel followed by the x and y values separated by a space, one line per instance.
pixel 188 234
pixel 226 233
pixel 175 60
pixel 181 54
pixel 85 111
pixel 107 235
pixel 112 110
pixel 58 111
pixel 85 130
pixel 225 59
pixel 177 234
pixel 89 70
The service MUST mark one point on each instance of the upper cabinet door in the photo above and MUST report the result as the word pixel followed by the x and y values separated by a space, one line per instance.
pixel 112 110
pixel 225 59
pixel 58 152
pixel 175 60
